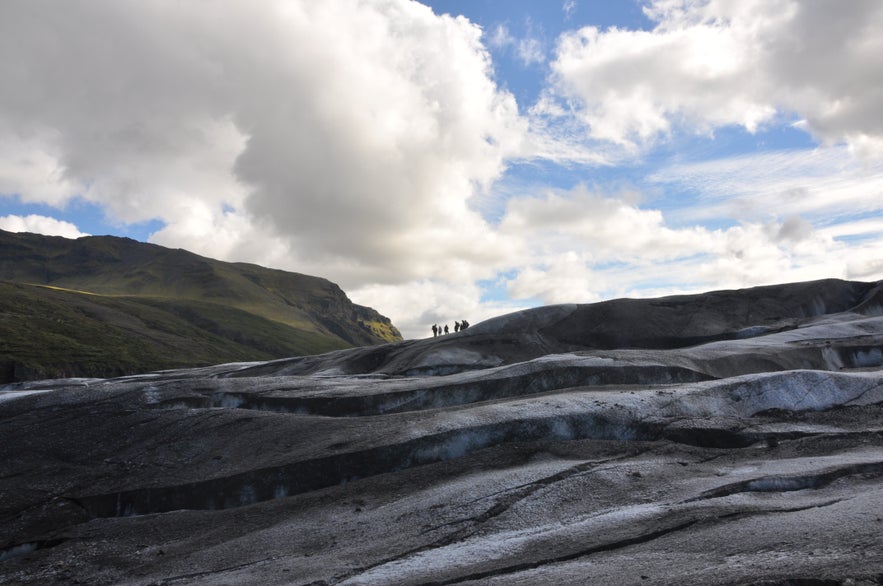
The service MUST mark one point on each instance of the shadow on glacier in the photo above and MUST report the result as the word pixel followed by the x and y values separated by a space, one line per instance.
pixel 529 378
pixel 299 477
pixel 795 482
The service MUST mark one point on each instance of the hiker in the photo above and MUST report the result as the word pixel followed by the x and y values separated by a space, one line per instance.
pixel 434 330
pixel 456 327
pixel 446 328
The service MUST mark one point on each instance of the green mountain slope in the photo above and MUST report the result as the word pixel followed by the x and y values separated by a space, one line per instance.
pixel 103 306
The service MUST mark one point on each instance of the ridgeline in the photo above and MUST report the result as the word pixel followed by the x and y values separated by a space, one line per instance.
pixel 104 306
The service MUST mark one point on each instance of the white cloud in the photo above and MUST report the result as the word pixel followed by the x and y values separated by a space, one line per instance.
pixel 361 140
pixel 588 246
pixel 39 225
pixel 740 256
pixel 824 185
pixel 859 228
pixel 724 62
pixel 866 264
pixel 354 132
pixel 401 126
pixel 344 139
pixel 501 37
pixel 608 229
pixel 427 302
pixel 30 170
pixel 564 278
pixel 530 51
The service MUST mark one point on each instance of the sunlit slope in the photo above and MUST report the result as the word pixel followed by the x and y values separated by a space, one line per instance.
pixel 180 309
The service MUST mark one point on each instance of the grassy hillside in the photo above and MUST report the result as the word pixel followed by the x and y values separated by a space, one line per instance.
pixel 101 306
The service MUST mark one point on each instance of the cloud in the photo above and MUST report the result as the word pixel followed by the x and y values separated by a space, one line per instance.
pixel 589 245
pixel 563 278
pixel 402 124
pixel 607 228
pixel 30 169
pixel 39 225
pixel 824 185
pixel 530 51
pixel 364 141
pixel 427 302
pixel 718 63
pixel 793 229
pixel 121 105
pixel 345 139
pixel 349 134
pixel 501 37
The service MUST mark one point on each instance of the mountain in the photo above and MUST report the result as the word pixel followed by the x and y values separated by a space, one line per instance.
pixel 732 437
pixel 107 306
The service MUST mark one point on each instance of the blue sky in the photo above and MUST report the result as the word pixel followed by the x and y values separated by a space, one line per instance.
pixel 457 159
pixel 539 23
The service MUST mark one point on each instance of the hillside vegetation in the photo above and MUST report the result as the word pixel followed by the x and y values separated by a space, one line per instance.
pixel 105 306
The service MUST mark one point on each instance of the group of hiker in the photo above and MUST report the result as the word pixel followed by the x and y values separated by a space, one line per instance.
pixel 459 326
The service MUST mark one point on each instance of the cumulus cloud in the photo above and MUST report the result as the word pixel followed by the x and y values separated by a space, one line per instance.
pixel 345 139
pixel 607 228
pixel 428 302
pixel 39 225
pixel 401 126
pixel 721 62
pixel 30 170
pixel 351 133
pixel 793 229
pixel 364 141
pixel 563 278
pixel 590 245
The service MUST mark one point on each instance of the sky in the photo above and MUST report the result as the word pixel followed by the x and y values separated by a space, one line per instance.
pixel 457 159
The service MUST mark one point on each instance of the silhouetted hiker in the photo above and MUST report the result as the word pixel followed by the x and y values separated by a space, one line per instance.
pixel 456 327
pixel 463 325
pixel 434 330
pixel 446 328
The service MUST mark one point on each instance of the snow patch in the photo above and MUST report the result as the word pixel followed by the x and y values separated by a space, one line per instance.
pixel 12 395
